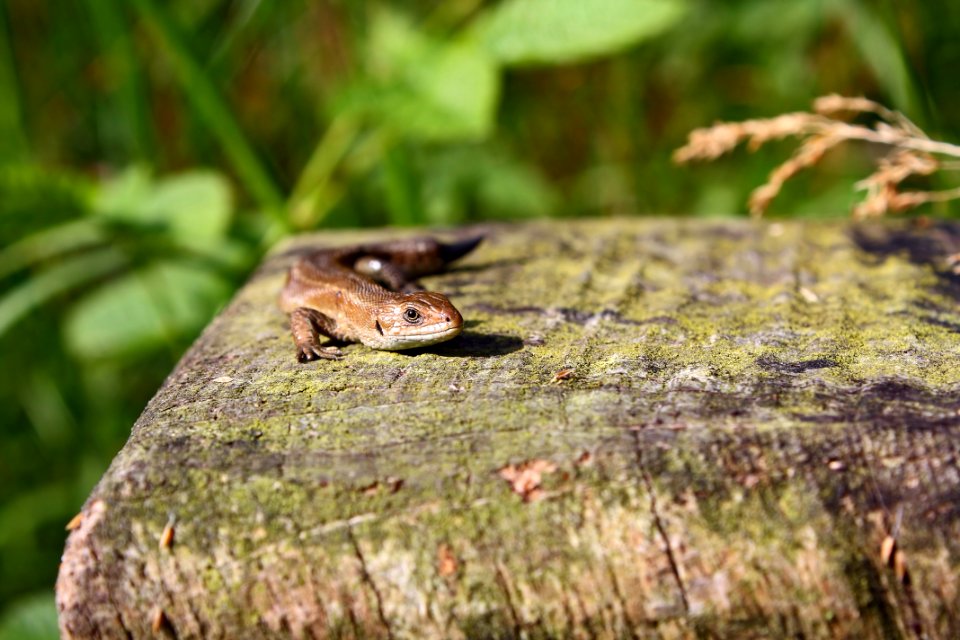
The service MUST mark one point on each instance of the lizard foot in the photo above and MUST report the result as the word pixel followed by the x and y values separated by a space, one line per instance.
pixel 308 353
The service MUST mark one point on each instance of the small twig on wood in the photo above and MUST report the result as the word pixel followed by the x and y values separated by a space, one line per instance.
pixel 911 152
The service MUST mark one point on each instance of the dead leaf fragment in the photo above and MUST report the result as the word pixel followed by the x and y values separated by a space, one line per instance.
pixel 900 565
pixel 166 536
pixel 525 479
pixel 159 620
pixel 75 522
pixel 953 263
pixel 390 484
pixel 447 564
pixel 809 295
pixel 886 549
pixel 370 489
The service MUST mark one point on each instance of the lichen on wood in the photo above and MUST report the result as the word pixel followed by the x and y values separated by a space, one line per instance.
pixel 754 434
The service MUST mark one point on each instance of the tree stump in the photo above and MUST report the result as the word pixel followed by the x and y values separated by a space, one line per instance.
pixel 649 428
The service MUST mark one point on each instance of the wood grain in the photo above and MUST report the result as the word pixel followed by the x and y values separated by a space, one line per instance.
pixel 649 428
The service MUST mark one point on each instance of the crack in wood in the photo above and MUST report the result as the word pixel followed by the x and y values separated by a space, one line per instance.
pixel 118 614
pixel 621 600
pixel 368 580
pixel 505 587
pixel 768 382
pixel 658 523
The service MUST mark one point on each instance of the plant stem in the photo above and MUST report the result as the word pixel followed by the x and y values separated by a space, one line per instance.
pixel 856 132
pixel 306 199
pixel 939 196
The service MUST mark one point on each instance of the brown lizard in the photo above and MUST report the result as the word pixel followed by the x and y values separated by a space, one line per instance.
pixel 335 293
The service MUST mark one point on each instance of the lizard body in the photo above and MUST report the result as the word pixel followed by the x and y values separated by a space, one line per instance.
pixel 337 293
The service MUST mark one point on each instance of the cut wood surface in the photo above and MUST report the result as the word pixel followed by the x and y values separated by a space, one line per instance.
pixel 649 428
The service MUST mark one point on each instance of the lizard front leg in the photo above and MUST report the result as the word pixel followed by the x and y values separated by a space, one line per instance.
pixel 307 325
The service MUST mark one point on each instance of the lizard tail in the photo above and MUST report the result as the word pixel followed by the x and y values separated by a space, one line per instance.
pixel 456 250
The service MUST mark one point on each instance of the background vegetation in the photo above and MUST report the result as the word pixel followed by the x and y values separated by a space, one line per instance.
pixel 151 150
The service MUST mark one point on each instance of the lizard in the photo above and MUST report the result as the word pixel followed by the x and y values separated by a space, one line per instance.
pixel 369 294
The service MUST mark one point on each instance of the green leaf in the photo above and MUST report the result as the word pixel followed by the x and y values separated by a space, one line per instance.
pixel 31 618
pixel 48 243
pixel 32 198
pixel 194 207
pixel 56 280
pixel 121 196
pixel 461 181
pixel 519 32
pixel 25 513
pixel 425 88
pixel 157 305
pixel 197 205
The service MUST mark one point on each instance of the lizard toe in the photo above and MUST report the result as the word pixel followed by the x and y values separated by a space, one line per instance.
pixel 306 354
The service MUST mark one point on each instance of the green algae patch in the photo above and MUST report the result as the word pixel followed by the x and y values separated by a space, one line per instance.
pixel 648 428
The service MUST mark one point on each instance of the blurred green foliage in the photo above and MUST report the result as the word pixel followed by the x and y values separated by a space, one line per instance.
pixel 151 150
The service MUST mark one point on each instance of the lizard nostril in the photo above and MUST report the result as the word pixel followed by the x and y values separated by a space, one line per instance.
pixel 447 318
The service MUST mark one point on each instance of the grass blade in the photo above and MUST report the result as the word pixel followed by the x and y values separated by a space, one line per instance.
pixel 883 52
pixel 401 187
pixel 212 108
pixel 130 117
pixel 13 140
pixel 313 193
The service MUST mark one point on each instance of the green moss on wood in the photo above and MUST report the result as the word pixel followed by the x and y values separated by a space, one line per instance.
pixel 752 409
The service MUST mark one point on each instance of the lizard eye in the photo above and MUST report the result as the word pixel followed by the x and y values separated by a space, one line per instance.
pixel 411 315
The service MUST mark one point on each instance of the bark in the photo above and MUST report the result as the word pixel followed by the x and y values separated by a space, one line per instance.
pixel 757 436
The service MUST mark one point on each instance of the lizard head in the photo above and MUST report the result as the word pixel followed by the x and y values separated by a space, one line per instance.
pixel 415 320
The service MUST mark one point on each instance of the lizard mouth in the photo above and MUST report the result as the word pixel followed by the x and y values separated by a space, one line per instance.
pixel 399 343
